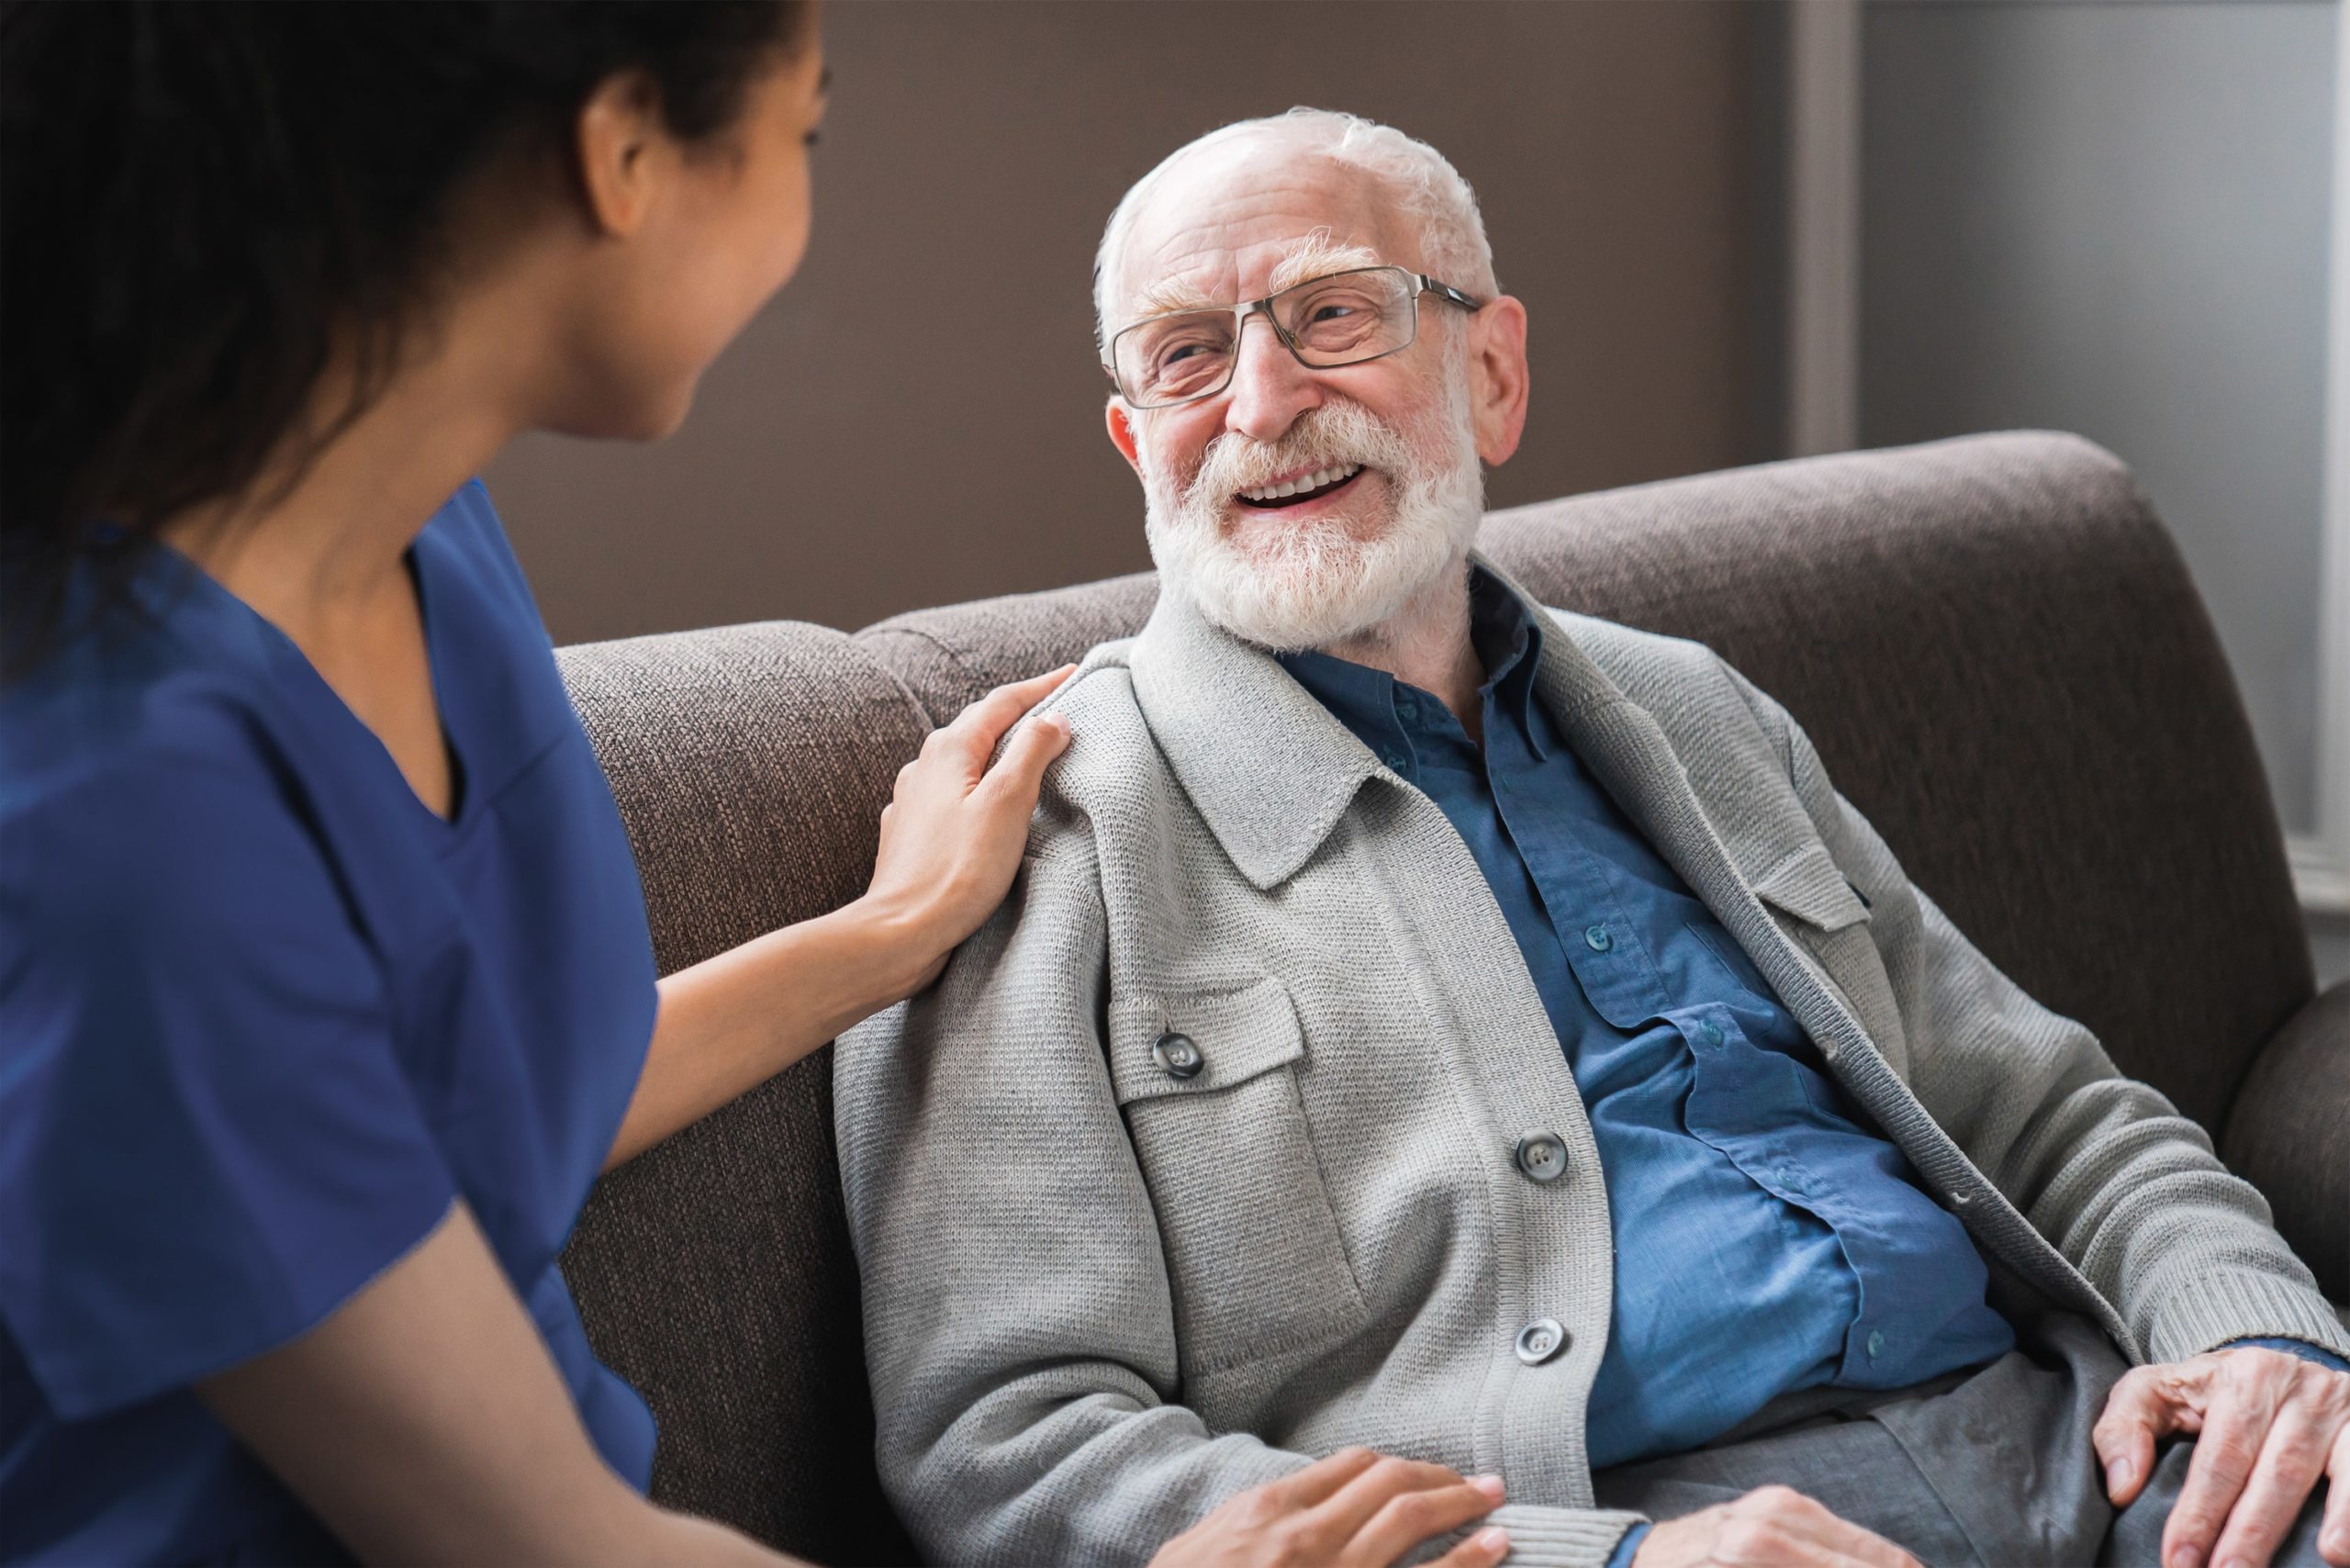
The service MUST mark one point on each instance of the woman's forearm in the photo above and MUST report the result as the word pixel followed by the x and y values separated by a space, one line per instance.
pixel 731 1023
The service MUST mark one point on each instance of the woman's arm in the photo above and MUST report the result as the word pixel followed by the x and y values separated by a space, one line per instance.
pixel 423 1421
pixel 951 838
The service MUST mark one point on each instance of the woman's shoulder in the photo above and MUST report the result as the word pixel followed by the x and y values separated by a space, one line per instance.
pixel 127 704
pixel 159 806
pixel 146 754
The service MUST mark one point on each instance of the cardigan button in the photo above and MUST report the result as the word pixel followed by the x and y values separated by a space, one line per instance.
pixel 1177 1056
pixel 1542 1156
pixel 1541 1340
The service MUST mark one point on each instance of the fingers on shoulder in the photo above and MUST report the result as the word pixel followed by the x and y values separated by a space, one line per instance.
pixel 1002 707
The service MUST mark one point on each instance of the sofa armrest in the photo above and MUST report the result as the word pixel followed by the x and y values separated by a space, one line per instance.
pixel 2289 1135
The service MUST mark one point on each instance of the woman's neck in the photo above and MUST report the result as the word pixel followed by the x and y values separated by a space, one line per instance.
pixel 338 535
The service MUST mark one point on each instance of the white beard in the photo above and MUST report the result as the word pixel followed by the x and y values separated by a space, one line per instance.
pixel 1331 578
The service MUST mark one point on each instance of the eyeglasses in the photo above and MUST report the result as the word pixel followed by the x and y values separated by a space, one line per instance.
pixel 1344 318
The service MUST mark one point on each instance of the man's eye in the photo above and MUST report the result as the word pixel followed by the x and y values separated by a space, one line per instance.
pixel 1175 354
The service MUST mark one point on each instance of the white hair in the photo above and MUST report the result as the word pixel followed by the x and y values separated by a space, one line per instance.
pixel 1453 248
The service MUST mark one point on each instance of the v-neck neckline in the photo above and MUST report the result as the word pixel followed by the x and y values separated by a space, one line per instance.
pixel 416 561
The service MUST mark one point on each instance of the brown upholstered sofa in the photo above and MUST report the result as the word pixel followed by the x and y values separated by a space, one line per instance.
pixel 1992 641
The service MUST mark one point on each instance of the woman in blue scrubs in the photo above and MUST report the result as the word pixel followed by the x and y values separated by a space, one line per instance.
pixel 324 986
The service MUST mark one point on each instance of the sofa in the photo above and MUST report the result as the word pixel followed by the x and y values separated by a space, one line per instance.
pixel 1992 640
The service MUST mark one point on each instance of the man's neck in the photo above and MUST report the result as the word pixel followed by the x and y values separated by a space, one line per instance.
pixel 1427 645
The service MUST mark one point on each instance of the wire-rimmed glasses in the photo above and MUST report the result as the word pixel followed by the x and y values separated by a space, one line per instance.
pixel 1344 318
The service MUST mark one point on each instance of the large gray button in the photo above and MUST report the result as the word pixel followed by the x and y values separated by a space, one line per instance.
pixel 1542 1156
pixel 1539 1340
pixel 1177 1056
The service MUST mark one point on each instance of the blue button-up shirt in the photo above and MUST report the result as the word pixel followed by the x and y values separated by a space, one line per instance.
pixel 1766 1238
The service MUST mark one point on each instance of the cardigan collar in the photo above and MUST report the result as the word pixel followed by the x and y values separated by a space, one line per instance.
pixel 1267 765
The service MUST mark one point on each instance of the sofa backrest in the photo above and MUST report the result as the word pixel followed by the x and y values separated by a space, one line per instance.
pixel 1992 641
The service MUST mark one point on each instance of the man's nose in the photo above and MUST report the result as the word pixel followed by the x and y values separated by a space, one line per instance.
pixel 1269 388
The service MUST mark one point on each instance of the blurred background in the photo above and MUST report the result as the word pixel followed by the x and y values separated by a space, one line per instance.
pixel 1744 230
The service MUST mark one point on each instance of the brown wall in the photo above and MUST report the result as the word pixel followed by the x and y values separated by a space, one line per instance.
pixel 851 457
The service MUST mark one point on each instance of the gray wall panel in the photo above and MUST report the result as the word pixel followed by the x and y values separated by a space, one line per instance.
pixel 2113 218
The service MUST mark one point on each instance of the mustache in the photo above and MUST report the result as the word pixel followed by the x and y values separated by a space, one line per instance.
pixel 1336 433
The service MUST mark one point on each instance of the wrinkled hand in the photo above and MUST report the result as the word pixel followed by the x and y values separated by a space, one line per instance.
pixel 2267 1426
pixel 952 834
pixel 1770 1527
pixel 1354 1509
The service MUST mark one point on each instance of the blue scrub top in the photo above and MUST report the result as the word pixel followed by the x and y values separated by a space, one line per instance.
pixel 264 1016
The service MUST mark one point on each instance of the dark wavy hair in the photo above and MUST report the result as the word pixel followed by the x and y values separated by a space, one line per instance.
pixel 201 201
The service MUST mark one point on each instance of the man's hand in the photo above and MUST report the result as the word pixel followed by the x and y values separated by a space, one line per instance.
pixel 2267 1426
pixel 1770 1527
pixel 1354 1509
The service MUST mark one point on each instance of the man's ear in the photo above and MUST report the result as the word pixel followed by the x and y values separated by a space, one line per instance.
pixel 1498 377
pixel 1122 435
pixel 623 152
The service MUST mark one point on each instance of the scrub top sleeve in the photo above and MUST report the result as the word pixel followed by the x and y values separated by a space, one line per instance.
pixel 206 1140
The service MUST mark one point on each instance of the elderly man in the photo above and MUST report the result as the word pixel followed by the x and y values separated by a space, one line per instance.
pixel 1483 1033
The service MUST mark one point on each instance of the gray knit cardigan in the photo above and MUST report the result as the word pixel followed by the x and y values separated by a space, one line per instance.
pixel 1102 1294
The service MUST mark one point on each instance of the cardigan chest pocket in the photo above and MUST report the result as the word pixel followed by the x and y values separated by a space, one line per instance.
pixel 1208 1084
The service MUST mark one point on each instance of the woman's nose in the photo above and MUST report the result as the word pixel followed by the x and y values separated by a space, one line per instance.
pixel 1269 388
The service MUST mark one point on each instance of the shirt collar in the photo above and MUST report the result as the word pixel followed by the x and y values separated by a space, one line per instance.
pixel 1508 638
pixel 1269 768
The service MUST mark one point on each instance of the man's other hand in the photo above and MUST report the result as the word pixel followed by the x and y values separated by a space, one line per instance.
pixel 1770 1527
pixel 1354 1509
pixel 2267 1427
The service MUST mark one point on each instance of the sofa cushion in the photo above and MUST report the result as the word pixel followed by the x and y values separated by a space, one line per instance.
pixel 714 1271
pixel 1999 654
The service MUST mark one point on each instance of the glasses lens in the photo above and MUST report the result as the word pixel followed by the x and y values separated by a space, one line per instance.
pixel 1348 316
pixel 1170 358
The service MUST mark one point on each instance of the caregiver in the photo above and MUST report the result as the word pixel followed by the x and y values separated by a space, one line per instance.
pixel 324 986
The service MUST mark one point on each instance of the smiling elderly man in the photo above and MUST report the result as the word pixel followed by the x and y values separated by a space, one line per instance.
pixel 1430 1022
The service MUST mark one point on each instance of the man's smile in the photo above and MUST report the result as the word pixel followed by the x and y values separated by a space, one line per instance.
pixel 1295 490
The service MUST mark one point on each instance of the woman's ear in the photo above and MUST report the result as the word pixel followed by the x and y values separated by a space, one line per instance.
pixel 624 152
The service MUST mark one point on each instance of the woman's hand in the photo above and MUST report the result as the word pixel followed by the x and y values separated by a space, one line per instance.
pixel 952 834
pixel 1354 1509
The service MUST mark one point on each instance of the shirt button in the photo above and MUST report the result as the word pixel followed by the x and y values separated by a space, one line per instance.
pixel 1712 1032
pixel 1599 938
pixel 1407 710
pixel 1539 1340
pixel 1877 1344
pixel 1177 1056
pixel 1396 760
pixel 1542 1156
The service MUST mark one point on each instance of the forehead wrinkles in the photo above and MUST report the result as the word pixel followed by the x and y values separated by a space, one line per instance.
pixel 1220 236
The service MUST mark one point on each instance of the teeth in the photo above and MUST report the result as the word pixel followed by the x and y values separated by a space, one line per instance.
pixel 1319 479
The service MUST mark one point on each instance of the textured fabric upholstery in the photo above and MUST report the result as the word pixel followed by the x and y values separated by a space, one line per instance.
pixel 751 764
pixel 948 657
pixel 2289 1136
pixel 2107 839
